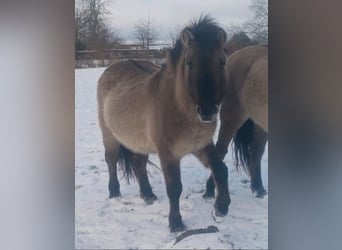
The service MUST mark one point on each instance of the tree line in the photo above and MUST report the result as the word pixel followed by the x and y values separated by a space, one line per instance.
pixel 256 29
pixel 94 31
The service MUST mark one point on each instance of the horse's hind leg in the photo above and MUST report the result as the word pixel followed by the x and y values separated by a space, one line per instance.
pixel 209 188
pixel 139 163
pixel 210 159
pixel 257 150
pixel 111 156
pixel 232 116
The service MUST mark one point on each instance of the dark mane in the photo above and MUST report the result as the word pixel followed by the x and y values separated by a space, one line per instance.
pixel 176 51
pixel 205 31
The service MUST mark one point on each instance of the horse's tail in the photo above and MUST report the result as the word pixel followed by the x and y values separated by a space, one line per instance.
pixel 125 160
pixel 242 144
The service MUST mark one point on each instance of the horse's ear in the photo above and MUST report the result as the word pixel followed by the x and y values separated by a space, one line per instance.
pixel 187 36
pixel 221 37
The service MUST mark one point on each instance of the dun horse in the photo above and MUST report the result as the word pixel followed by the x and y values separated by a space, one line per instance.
pixel 249 140
pixel 171 113
pixel 245 100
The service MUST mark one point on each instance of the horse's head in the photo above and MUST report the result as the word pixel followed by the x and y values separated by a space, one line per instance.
pixel 203 64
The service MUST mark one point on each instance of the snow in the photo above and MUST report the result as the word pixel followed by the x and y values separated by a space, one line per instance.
pixel 127 222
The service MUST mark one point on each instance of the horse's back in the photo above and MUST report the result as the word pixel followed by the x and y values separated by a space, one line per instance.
pixel 123 74
pixel 132 68
pixel 243 59
pixel 125 71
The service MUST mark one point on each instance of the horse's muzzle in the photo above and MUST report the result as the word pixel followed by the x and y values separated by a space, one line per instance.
pixel 207 116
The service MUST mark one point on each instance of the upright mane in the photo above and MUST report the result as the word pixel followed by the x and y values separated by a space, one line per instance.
pixel 205 31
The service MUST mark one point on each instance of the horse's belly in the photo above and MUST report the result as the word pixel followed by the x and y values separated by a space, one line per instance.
pixel 128 126
pixel 136 142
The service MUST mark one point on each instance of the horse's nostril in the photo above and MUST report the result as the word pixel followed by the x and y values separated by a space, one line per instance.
pixel 198 109
pixel 216 108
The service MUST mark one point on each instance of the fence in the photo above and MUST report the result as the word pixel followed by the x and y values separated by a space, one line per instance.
pixel 93 58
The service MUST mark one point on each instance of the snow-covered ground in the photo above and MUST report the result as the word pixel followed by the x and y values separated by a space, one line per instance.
pixel 127 222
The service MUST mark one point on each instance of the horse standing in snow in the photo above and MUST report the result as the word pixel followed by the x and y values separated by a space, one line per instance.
pixel 171 112
pixel 245 102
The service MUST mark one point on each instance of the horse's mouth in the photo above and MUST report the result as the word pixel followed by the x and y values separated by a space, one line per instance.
pixel 207 118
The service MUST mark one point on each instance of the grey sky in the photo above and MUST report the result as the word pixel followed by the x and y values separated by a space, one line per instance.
pixel 168 14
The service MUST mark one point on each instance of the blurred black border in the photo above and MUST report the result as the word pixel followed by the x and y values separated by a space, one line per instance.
pixel 305 90
pixel 304 136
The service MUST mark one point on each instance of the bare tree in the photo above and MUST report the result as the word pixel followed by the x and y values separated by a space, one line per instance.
pixel 145 32
pixel 238 41
pixel 233 29
pixel 80 25
pixel 258 26
pixel 97 12
pixel 91 26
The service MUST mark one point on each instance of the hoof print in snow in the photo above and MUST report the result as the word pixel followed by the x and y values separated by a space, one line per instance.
pixel 126 203
pixel 78 187
pixel 245 181
pixel 92 167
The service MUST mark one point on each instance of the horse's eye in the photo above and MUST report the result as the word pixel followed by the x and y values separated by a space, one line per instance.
pixel 189 63
pixel 222 62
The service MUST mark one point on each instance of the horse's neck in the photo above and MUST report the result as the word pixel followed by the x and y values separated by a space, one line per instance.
pixel 182 98
pixel 172 90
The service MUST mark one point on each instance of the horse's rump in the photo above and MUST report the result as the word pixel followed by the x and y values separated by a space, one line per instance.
pixel 248 76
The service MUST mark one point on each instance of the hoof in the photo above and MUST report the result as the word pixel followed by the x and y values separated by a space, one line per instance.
pixel 221 208
pixel 219 212
pixel 208 195
pixel 216 218
pixel 177 228
pixel 114 189
pixel 149 199
pixel 260 192
pixel 114 195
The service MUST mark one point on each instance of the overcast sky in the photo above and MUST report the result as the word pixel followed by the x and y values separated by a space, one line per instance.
pixel 168 14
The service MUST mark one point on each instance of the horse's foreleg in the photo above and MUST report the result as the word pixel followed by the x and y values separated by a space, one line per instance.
pixel 209 158
pixel 111 157
pixel 171 170
pixel 226 132
pixel 257 150
pixel 139 163
pixel 232 117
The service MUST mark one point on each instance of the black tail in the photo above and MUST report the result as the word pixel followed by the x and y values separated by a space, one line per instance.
pixel 125 161
pixel 242 144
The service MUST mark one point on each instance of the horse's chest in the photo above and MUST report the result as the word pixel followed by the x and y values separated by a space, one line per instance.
pixel 189 141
